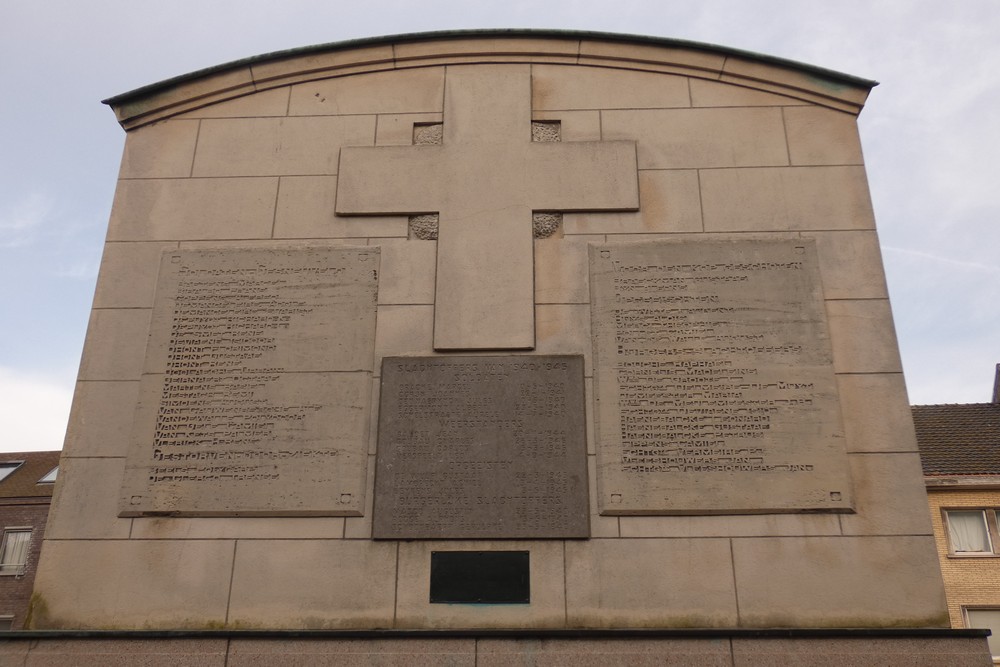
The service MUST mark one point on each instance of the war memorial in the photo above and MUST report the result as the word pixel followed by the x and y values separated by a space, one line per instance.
pixel 490 348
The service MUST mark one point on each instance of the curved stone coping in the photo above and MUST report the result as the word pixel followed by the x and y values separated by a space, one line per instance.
pixel 272 70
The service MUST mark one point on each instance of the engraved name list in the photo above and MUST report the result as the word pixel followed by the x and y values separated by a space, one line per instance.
pixel 715 381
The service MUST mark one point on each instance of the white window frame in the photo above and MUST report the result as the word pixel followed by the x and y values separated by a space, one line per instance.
pixel 14 569
pixel 989 516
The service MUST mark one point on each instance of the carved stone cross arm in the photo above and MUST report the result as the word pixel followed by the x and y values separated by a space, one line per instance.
pixel 484 181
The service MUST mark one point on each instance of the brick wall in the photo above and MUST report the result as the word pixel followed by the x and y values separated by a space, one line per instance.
pixel 15 591
pixel 968 580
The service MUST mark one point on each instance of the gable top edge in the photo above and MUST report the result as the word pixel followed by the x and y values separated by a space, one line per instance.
pixel 136 107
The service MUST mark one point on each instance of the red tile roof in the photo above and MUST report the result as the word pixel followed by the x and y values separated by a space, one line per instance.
pixel 961 439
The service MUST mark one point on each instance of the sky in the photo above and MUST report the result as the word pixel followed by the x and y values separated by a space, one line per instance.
pixel 930 133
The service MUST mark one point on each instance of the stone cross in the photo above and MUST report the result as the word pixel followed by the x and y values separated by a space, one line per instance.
pixel 484 181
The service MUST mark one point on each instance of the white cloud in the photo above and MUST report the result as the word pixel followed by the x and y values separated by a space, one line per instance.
pixel 34 410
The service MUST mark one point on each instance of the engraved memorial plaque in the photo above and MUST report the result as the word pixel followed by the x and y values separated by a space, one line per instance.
pixel 481 447
pixel 714 380
pixel 254 399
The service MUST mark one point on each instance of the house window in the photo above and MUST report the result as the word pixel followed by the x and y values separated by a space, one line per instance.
pixel 986 618
pixel 7 467
pixel 50 476
pixel 6 622
pixel 968 531
pixel 14 550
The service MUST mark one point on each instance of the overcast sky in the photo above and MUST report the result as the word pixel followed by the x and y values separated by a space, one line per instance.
pixel 930 131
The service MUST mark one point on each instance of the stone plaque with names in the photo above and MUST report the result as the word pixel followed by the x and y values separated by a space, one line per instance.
pixel 256 390
pixel 481 447
pixel 714 380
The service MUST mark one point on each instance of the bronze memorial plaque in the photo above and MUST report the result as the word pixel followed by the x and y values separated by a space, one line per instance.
pixel 481 447
pixel 714 380
pixel 256 390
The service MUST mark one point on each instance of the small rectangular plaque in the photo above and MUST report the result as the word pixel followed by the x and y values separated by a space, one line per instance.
pixel 714 379
pixel 481 447
pixel 257 384
pixel 480 577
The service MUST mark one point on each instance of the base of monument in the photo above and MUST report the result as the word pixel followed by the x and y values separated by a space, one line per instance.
pixel 708 647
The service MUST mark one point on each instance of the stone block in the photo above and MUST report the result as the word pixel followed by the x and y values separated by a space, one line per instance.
pixel 128 274
pixel 546 610
pixel 313 584
pixel 669 202
pixel 860 652
pixel 278 146
pixel 256 105
pixel 655 58
pixel 407 269
pixel 307 67
pixel 100 420
pixel 786 582
pixel 573 125
pixel 751 525
pixel 121 652
pixel 609 652
pixel 133 584
pixel 851 264
pixel 193 208
pixel 305 210
pixel 397 129
pixel 564 329
pixel 705 93
pixel 317 652
pixel 863 337
pixel 650 583
pixel 822 198
pixel 403 331
pixel 600 526
pixel 116 342
pixel 397 91
pixel 890 497
pixel 242 528
pixel 588 384
pixel 85 503
pixel 163 150
pixel 360 527
pixel 561 269
pixel 819 136
pixel 475 50
pixel 880 418
pixel 701 138
pixel 573 87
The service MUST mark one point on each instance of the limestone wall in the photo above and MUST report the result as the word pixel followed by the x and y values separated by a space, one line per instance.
pixel 728 146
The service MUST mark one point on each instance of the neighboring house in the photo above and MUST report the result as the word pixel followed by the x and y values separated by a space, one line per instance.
pixel 26 481
pixel 960 451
